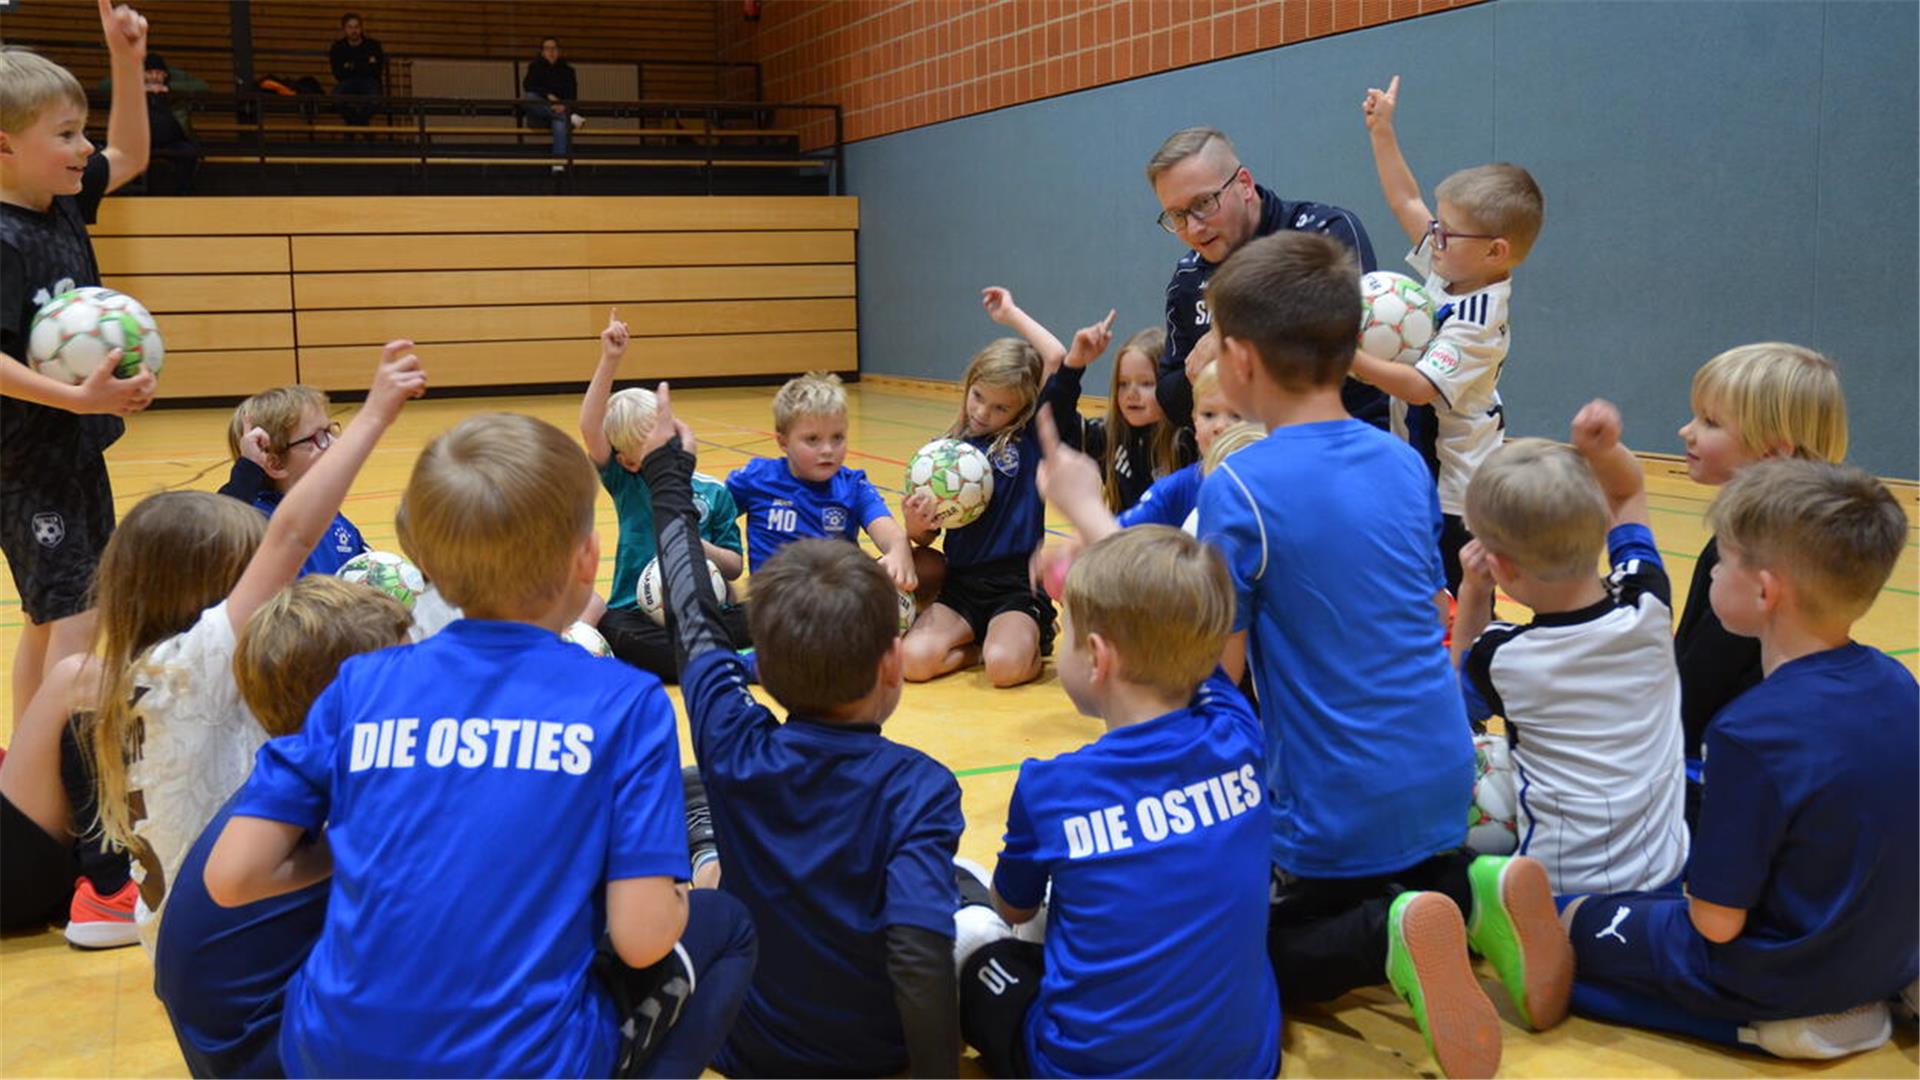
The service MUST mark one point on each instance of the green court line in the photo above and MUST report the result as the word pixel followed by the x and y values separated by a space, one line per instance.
pixel 1902 652
pixel 984 770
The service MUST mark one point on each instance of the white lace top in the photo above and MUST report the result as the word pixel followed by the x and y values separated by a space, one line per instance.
pixel 197 745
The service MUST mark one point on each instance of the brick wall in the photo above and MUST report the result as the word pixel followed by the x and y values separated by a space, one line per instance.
pixel 897 64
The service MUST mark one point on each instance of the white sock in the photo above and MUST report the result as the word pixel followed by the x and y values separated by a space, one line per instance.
pixel 974 928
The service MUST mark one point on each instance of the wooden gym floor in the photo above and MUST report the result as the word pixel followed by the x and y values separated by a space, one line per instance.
pixel 69 1013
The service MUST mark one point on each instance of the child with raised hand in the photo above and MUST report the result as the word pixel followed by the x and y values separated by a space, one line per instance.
pixel 56 501
pixel 1798 921
pixel 1588 687
pixel 809 492
pixel 1769 399
pixel 1448 403
pixel 1153 838
pixel 221 972
pixel 840 842
pixel 613 425
pixel 274 438
pixel 1133 443
pixel 450 768
pixel 171 736
pixel 988 610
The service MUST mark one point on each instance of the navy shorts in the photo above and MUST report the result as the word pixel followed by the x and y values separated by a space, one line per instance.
pixel 53 526
pixel 980 593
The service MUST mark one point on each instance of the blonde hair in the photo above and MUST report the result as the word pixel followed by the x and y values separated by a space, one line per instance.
pixel 1833 530
pixel 1536 502
pixel 173 556
pixel 817 393
pixel 1500 198
pixel 276 412
pixel 810 585
pixel 1008 363
pixel 1151 344
pixel 1161 598
pixel 1207 381
pixel 1779 397
pixel 629 421
pixel 1237 436
pixel 495 510
pixel 29 83
pixel 293 645
pixel 1186 143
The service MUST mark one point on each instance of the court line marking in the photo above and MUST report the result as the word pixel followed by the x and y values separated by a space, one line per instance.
pixel 984 770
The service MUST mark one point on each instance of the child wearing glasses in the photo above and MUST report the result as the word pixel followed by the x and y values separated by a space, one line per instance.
pixel 275 437
pixel 1447 403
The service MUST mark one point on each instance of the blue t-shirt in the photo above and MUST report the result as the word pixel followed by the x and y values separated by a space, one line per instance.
pixel 633 507
pixel 341 543
pixel 1810 821
pixel 782 508
pixel 222 972
pixel 479 790
pixel 1331 533
pixel 1155 837
pixel 1168 501
pixel 830 834
pixel 1015 517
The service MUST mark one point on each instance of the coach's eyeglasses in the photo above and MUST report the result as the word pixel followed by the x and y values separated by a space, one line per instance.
pixel 1443 235
pixel 320 439
pixel 1202 208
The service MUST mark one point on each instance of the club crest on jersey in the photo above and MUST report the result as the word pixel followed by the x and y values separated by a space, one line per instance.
pixel 700 507
pixel 1007 459
pixel 834 519
pixel 49 528
pixel 1443 358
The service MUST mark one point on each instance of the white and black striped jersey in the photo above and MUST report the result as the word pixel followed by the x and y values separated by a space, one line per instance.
pixel 1592 706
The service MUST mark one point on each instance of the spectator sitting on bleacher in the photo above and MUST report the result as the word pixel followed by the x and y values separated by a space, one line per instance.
pixel 359 68
pixel 173 156
pixel 550 89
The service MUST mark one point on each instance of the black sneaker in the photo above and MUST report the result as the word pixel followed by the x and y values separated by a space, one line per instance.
pixel 700 842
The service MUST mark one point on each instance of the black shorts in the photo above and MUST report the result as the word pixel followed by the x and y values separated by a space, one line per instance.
pixel 979 593
pixel 997 988
pixel 37 872
pixel 636 638
pixel 53 526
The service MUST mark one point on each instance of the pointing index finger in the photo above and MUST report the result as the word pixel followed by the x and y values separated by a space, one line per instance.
pixel 1393 88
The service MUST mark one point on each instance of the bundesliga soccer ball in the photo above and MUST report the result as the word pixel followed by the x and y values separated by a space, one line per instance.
pixel 391 574
pixel 1492 827
pixel 908 611
pixel 956 475
pixel 73 333
pixel 587 638
pixel 1396 317
pixel 653 599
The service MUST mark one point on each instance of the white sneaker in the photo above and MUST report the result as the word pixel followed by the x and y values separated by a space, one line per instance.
pixel 576 120
pixel 974 928
pixel 1820 1037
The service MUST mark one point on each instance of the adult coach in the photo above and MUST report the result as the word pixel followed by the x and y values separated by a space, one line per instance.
pixel 1209 200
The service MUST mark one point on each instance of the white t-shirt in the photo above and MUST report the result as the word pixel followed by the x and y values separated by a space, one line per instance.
pixel 1463 362
pixel 197 744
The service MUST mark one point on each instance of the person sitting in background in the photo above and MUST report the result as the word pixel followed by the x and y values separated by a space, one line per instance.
pixel 359 70
pixel 550 89
pixel 172 155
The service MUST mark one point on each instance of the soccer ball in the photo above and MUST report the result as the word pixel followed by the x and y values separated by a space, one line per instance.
pixel 1492 827
pixel 653 598
pixel 588 638
pixel 1396 317
pixel 908 611
pixel 391 574
pixel 73 333
pixel 956 475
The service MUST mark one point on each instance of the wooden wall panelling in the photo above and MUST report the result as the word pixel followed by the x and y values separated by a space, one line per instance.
pixel 166 293
pixel 572 360
pixel 147 254
pixel 577 321
pixel 501 251
pixel 241 330
pixel 487 213
pixel 228 373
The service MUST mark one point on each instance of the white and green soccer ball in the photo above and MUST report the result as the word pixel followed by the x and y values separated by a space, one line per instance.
pixel 1493 819
pixel 909 610
pixel 652 597
pixel 391 574
pixel 73 333
pixel 588 638
pixel 956 475
pixel 1396 317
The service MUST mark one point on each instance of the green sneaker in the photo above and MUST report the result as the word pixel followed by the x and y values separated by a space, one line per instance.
pixel 1427 965
pixel 1515 927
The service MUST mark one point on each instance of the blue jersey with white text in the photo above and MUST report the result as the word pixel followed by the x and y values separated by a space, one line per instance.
pixel 782 508
pixel 479 790
pixel 1369 756
pixel 1155 839
pixel 1168 501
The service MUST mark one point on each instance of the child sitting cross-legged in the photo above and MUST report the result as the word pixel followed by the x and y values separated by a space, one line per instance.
pixel 840 842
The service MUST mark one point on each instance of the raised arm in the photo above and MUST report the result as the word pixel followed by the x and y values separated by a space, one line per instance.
pixel 127 136
pixel 667 468
pixel 1596 435
pixel 1070 480
pixel 303 516
pixel 593 407
pixel 1001 309
pixel 1396 179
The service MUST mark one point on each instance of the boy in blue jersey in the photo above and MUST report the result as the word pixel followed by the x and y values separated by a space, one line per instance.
pixel 1154 837
pixel 840 842
pixel 1340 608
pixel 222 973
pixel 448 769
pixel 613 426
pixel 1798 921
pixel 274 438
pixel 810 491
